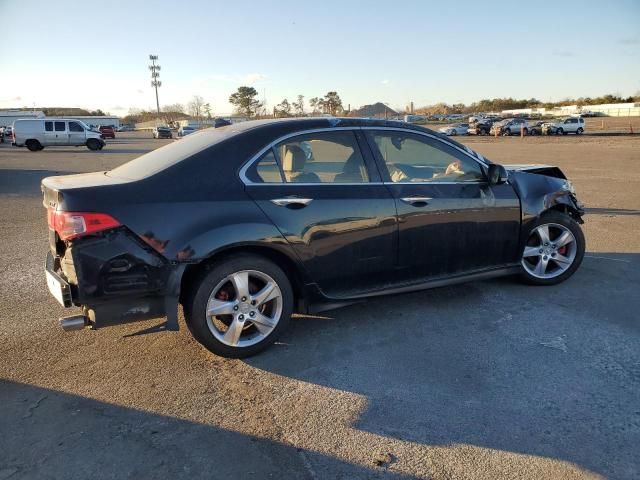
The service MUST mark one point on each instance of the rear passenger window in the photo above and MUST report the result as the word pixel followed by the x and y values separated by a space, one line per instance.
pixel 266 170
pixel 48 126
pixel 60 127
pixel 323 157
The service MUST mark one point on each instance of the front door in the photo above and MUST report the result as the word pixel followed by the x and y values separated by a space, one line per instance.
pixel 450 220
pixel 76 134
pixel 325 196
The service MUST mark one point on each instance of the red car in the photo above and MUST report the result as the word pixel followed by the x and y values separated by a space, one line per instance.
pixel 107 132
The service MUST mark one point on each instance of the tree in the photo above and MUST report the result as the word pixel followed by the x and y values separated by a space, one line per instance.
pixel 245 101
pixel 299 106
pixel 206 108
pixel 313 103
pixel 174 108
pixel 331 103
pixel 283 109
pixel 195 106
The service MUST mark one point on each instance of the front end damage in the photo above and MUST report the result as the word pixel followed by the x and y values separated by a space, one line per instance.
pixel 542 188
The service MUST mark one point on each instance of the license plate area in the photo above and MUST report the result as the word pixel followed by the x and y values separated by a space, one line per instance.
pixel 58 287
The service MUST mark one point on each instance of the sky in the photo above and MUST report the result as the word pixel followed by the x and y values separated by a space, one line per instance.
pixel 95 54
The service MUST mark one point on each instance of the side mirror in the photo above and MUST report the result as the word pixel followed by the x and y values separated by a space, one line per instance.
pixel 497 174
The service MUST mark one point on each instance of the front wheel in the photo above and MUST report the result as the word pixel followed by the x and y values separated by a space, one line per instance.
pixel 560 131
pixel 554 249
pixel 93 144
pixel 506 132
pixel 240 306
pixel 579 131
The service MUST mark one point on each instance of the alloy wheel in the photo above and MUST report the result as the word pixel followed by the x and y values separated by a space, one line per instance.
pixel 550 251
pixel 244 308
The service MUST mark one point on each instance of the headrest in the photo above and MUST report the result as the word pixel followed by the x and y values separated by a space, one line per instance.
pixel 294 159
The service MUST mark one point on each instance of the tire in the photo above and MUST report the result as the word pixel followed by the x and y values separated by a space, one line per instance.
pixel 506 132
pixel 216 285
pixel 580 131
pixel 93 144
pixel 560 131
pixel 453 133
pixel 533 132
pixel 553 272
pixel 33 145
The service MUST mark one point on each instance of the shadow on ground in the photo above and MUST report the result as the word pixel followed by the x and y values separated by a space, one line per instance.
pixel 51 434
pixel 546 371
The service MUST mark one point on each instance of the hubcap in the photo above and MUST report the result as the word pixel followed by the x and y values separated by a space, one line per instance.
pixel 550 251
pixel 244 308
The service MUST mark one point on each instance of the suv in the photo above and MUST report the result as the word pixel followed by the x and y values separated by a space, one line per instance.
pixel 565 126
pixel 107 131
pixel 245 225
pixel 162 132
pixel 510 126
pixel 480 125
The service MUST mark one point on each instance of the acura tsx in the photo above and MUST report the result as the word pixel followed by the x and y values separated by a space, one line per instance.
pixel 245 224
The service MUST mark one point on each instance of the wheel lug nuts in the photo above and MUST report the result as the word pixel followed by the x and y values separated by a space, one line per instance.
pixel 541 250
pixel 252 314
pixel 235 308
pixel 253 302
pixel 244 299
pixel 241 317
pixel 545 257
pixel 553 254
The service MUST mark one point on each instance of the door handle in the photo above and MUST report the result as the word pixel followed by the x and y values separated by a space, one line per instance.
pixel 292 202
pixel 417 201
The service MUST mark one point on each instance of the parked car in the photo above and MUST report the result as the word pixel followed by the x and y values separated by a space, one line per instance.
pixel 220 122
pixel 7 134
pixel 456 129
pixel 244 226
pixel 510 126
pixel 125 128
pixel 182 131
pixel 36 134
pixel 479 126
pixel 162 132
pixel 107 131
pixel 566 125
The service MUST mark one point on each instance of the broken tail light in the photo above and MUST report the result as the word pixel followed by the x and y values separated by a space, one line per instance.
pixel 70 225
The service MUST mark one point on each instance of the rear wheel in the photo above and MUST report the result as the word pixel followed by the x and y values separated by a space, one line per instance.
pixel 554 249
pixel 33 145
pixel 240 306
pixel 93 144
pixel 506 132
pixel 560 131
pixel 453 133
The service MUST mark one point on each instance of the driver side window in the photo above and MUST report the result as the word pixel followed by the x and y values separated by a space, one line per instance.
pixel 415 158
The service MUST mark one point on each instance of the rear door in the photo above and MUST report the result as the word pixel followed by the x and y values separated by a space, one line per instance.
pixel 323 192
pixel 450 220
pixel 49 132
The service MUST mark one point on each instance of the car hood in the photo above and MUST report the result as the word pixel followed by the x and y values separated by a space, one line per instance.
pixel 541 169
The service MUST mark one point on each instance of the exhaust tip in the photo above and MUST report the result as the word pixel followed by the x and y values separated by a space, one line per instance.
pixel 74 322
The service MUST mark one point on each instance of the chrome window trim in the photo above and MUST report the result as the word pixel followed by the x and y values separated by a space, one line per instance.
pixel 243 170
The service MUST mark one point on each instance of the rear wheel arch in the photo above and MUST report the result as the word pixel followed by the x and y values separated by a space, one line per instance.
pixel 194 272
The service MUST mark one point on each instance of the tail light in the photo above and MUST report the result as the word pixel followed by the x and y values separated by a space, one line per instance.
pixel 70 225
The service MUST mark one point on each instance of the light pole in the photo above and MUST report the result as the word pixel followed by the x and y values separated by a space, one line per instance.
pixel 155 75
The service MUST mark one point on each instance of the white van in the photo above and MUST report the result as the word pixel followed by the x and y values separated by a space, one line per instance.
pixel 38 133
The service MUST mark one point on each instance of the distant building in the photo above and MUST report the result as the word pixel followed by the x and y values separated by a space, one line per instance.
pixel 7 117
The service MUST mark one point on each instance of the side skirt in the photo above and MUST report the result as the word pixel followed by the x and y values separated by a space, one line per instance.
pixel 322 302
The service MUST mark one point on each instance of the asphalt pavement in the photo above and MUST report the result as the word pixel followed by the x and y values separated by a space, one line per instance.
pixel 490 379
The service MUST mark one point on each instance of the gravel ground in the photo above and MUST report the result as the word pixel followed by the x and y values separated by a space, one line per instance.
pixel 485 380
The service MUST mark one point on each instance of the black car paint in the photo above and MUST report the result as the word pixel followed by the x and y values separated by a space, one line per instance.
pixel 344 246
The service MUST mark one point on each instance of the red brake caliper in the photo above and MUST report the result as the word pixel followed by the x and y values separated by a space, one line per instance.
pixel 562 250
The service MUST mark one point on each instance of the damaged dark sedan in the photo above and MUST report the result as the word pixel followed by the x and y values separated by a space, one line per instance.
pixel 246 224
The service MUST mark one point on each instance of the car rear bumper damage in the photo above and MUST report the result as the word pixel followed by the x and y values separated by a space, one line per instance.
pixel 114 278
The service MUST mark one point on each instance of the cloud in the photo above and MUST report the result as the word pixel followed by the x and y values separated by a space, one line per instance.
pixel 252 78
pixel 16 99
pixel 385 82
pixel 563 53
pixel 629 41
